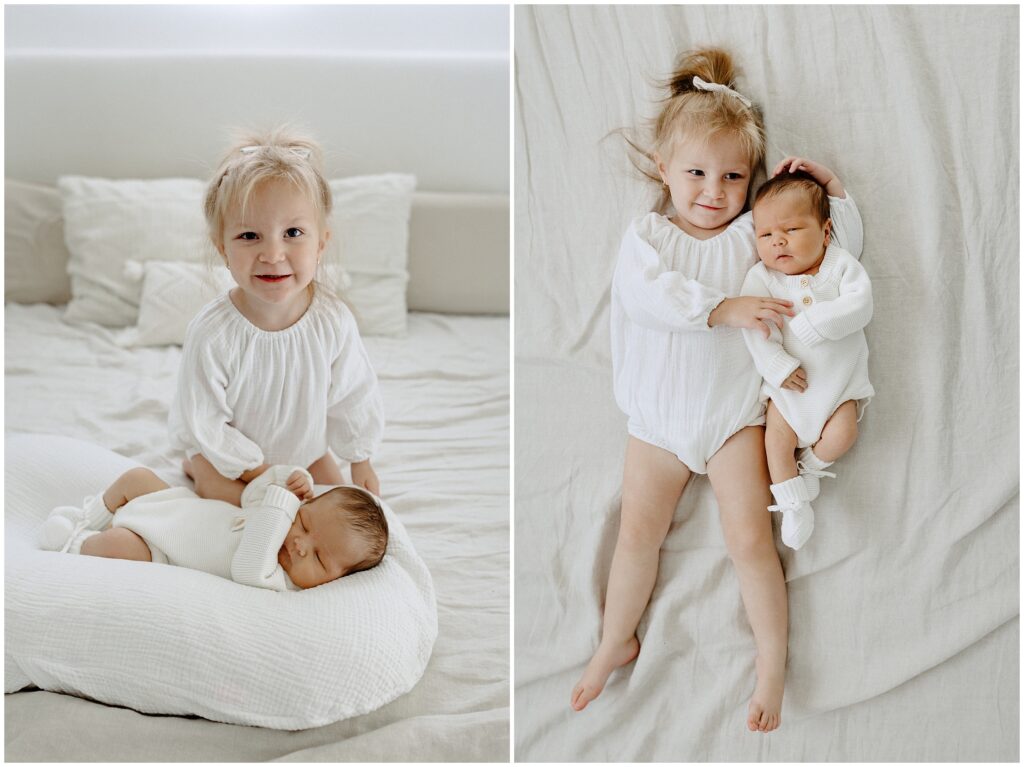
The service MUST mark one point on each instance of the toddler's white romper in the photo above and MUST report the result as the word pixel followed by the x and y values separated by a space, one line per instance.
pixel 247 396
pixel 825 338
pixel 687 387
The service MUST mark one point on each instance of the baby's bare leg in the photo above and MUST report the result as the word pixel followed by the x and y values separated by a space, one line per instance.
pixel 210 483
pixel 839 434
pixel 325 471
pixel 739 477
pixel 652 483
pixel 780 446
pixel 117 543
pixel 131 485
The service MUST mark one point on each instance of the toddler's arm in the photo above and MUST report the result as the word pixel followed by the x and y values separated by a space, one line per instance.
pixel 355 410
pixel 849 312
pixel 773 362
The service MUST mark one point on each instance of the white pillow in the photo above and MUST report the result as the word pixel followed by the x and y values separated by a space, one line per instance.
pixel 173 292
pixel 108 222
pixel 168 640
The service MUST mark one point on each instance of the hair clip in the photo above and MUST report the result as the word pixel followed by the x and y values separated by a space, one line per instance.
pixel 706 86
pixel 296 150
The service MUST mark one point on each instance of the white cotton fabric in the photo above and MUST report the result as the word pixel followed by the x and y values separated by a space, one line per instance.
pixel 687 387
pixel 172 640
pixel 825 338
pixel 216 537
pixel 247 396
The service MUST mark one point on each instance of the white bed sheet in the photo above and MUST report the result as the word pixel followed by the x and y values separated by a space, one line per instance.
pixel 444 468
pixel 904 605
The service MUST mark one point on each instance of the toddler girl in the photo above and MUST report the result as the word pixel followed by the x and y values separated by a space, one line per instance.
pixel 274 371
pixel 274 544
pixel 683 375
pixel 816 369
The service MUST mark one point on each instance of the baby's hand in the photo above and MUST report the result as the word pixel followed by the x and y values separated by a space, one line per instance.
pixel 751 312
pixel 797 381
pixel 821 174
pixel 299 485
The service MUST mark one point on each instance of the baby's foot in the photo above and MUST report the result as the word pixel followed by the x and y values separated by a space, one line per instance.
pixel 604 662
pixel 764 713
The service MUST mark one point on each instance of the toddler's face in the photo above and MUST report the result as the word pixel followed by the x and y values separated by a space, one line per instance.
pixel 272 251
pixel 790 238
pixel 708 181
pixel 319 547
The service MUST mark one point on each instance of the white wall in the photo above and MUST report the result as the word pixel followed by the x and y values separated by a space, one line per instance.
pixel 419 28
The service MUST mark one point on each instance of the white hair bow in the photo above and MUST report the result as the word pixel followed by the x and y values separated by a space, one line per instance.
pixel 706 86
pixel 298 150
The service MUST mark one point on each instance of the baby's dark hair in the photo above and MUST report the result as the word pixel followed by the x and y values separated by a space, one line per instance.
pixel 815 193
pixel 364 516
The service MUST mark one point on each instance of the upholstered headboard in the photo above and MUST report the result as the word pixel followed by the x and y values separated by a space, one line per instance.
pixel 135 114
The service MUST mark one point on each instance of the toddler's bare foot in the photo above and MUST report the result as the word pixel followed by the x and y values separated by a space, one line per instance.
pixel 604 662
pixel 764 713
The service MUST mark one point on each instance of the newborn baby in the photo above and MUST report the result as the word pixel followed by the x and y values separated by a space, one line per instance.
pixel 274 541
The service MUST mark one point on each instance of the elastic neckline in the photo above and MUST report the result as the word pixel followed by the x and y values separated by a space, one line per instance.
pixel 291 329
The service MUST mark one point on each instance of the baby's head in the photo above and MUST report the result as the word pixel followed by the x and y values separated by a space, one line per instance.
pixel 270 189
pixel 792 223
pixel 707 143
pixel 340 532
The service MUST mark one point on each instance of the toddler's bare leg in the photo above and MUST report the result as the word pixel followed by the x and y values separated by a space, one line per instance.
pixel 739 477
pixel 325 471
pixel 780 445
pixel 130 485
pixel 210 483
pixel 839 434
pixel 653 480
pixel 117 543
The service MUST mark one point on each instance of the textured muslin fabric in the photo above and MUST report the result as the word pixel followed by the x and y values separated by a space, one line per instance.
pixel 904 604
pixel 825 338
pixel 171 640
pixel 248 396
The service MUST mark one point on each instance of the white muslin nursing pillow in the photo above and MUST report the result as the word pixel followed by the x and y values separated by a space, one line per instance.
pixel 168 640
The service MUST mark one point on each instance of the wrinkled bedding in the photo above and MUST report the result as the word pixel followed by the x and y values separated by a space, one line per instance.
pixel 904 605
pixel 444 469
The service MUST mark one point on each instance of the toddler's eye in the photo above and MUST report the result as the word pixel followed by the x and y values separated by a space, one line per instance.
pixel 294 232
pixel 734 176
pixel 696 172
pixel 247 236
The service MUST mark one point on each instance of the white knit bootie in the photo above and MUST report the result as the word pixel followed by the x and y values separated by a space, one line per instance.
pixel 812 469
pixel 797 515
pixel 68 526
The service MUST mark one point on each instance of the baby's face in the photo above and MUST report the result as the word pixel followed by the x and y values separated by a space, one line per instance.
pixel 789 237
pixel 319 547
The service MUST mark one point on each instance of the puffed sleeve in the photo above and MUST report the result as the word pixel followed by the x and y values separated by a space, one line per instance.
pixel 255 560
pixel 847 229
pixel 771 359
pixel 355 410
pixel 845 314
pixel 655 297
pixel 200 417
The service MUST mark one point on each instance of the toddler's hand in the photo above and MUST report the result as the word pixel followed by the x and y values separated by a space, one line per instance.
pixel 821 174
pixel 363 475
pixel 299 485
pixel 797 381
pixel 751 312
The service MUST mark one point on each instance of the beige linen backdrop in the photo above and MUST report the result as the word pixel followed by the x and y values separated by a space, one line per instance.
pixel 904 605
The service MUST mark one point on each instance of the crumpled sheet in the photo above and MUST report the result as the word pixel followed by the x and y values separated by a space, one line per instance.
pixel 444 469
pixel 904 605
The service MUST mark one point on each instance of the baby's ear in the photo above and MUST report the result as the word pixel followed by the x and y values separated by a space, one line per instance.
pixel 828 232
